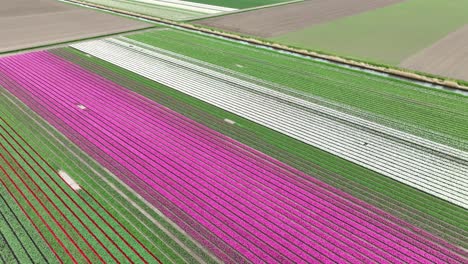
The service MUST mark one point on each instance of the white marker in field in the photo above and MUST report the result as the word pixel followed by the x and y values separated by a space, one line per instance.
pixel 229 121
pixel 69 180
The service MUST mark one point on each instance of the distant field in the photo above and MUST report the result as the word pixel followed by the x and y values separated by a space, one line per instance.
pixel 393 32
pixel 447 57
pixel 387 35
pixel 279 20
pixel 149 9
pixel 182 10
pixel 30 23
pixel 240 3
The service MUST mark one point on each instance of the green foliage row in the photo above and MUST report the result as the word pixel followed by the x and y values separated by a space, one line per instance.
pixel 61 157
pixel 19 241
pixel 51 196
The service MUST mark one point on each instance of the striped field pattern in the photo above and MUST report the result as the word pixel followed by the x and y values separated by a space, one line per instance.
pixel 441 170
pixel 84 230
pixel 241 204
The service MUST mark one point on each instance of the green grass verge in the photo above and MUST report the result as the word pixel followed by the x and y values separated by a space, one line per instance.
pixel 402 193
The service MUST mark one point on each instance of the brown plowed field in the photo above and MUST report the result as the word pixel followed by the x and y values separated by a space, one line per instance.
pixel 274 21
pixel 446 57
pixel 30 23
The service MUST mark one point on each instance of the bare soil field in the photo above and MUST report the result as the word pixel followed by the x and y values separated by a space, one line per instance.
pixel 446 57
pixel 274 21
pixel 31 23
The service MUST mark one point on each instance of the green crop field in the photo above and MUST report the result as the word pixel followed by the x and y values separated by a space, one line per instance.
pixel 434 114
pixel 410 204
pixel 19 241
pixel 387 35
pixel 240 4
pixel 158 235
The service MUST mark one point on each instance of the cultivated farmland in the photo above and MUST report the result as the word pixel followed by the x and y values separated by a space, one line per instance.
pixel 73 225
pixel 30 23
pixel 397 199
pixel 387 35
pixel 416 109
pixel 241 4
pixel 117 203
pixel 330 163
pixel 383 155
pixel 239 203
pixel 447 57
pixel 151 9
pixel 179 10
pixel 276 21
pixel 177 146
pixel 397 33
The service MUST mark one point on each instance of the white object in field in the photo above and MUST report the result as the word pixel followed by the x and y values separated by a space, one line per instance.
pixel 69 180
pixel 82 107
pixel 202 8
pixel 239 66
pixel 431 167
pixel 229 121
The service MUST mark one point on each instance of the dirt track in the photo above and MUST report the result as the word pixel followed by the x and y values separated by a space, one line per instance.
pixel 30 23
pixel 447 57
pixel 274 21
